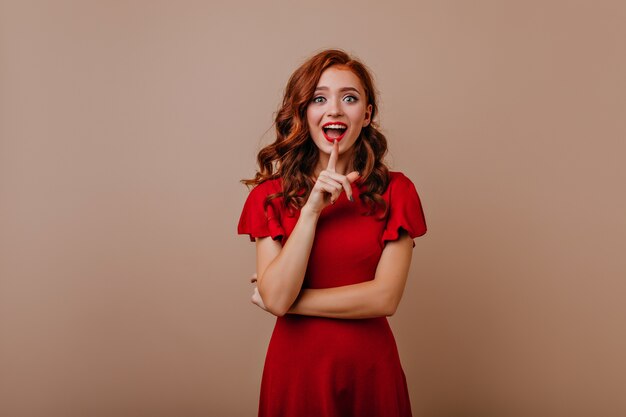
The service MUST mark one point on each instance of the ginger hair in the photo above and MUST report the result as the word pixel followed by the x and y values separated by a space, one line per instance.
pixel 293 155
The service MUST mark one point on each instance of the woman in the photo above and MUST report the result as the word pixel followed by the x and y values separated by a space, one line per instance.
pixel 333 230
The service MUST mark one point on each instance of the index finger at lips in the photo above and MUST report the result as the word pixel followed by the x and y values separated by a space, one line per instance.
pixel 334 154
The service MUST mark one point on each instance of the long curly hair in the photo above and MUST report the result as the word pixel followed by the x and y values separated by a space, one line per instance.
pixel 293 155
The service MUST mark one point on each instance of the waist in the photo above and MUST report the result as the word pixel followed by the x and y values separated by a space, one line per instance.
pixel 296 326
pixel 338 338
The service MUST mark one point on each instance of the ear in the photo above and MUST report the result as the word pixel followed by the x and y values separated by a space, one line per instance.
pixel 368 116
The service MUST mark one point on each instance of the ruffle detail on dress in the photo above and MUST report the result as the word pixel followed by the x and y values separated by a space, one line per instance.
pixel 258 221
pixel 405 210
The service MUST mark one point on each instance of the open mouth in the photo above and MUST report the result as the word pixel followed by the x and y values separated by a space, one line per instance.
pixel 334 131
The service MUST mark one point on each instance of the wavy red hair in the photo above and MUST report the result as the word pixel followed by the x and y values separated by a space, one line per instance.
pixel 293 155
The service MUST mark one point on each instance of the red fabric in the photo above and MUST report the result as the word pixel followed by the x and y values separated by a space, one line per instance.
pixel 321 367
pixel 257 220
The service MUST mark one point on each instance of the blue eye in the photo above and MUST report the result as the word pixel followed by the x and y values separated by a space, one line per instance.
pixel 350 99
pixel 318 99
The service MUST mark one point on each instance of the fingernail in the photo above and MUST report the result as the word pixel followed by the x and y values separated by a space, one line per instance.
pixel 351 199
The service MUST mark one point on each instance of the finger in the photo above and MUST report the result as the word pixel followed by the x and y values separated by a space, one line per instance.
pixel 334 154
pixel 330 186
pixel 331 182
pixel 353 176
pixel 343 180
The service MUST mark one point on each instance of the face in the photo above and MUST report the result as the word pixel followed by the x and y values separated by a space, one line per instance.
pixel 338 110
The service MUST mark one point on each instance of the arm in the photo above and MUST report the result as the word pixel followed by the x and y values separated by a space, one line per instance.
pixel 280 271
pixel 376 298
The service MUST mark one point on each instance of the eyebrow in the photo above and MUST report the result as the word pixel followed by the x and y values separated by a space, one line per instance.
pixel 322 87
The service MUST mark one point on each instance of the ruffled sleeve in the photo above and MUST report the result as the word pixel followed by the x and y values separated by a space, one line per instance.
pixel 258 220
pixel 405 209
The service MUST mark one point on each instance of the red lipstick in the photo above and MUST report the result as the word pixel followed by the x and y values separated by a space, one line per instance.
pixel 335 124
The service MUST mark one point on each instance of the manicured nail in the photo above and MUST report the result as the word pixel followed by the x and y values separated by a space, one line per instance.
pixel 351 199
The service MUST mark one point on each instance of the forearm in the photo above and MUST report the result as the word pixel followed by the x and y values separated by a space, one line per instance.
pixel 376 298
pixel 357 301
pixel 280 283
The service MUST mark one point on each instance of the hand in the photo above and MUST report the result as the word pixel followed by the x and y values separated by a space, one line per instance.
pixel 330 184
pixel 257 300
pixel 256 297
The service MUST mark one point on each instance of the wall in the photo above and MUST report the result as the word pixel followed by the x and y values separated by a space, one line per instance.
pixel 125 127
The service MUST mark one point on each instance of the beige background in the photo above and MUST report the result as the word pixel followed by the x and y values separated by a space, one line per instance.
pixel 125 126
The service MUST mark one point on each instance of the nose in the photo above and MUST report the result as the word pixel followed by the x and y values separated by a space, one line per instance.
pixel 334 108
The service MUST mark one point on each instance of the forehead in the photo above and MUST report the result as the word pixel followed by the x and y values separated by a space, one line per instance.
pixel 336 78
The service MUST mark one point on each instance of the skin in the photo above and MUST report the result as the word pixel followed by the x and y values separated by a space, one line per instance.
pixel 339 97
pixel 281 269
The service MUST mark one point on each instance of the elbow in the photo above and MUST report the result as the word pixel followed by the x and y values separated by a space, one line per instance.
pixel 278 311
pixel 273 304
pixel 389 309
pixel 389 304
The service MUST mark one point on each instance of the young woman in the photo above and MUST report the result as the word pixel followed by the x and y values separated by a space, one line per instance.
pixel 333 230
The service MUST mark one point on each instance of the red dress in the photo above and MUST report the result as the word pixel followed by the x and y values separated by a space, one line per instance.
pixel 323 367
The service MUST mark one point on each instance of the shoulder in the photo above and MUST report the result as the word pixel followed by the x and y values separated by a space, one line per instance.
pixel 401 190
pixel 266 188
pixel 257 196
pixel 397 176
pixel 399 181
